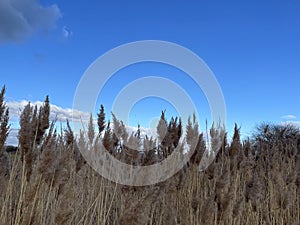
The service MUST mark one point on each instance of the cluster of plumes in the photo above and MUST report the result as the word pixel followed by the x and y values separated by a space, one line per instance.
pixel 34 122
pixel 133 148
pixel 256 181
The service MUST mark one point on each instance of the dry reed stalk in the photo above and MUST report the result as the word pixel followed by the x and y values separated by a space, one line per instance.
pixel 209 211
pixel 65 210
pixel 20 204
pixel 137 212
pixel 9 192
pixel 238 208
pixel 223 183
pixel 4 164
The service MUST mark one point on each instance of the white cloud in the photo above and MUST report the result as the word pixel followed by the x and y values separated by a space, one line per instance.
pixel 289 117
pixel 12 138
pixel 61 114
pixel 294 123
pixel 150 132
pixel 290 120
pixel 67 33
pixel 21 18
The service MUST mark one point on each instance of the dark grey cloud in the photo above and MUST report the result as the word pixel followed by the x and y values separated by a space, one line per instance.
pixel 21 18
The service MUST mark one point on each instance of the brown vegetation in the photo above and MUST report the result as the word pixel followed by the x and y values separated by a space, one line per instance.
pixel 252 182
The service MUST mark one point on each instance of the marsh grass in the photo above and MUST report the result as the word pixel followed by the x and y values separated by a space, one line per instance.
pixel 56 194
pixel 247 183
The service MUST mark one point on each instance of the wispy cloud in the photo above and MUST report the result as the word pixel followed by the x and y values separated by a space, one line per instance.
pixel 60 113
pixel 39 57
pixel 290 122
pixel 21 18
pixel 67 33
pixel 289 117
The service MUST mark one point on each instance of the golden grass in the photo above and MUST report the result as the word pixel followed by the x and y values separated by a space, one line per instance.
pixel 51 183
pixel 56 194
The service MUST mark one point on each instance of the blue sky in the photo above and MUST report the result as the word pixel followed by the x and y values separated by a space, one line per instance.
pixel 253 48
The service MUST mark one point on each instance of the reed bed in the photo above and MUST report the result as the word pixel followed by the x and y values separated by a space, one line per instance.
pixel 248 182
